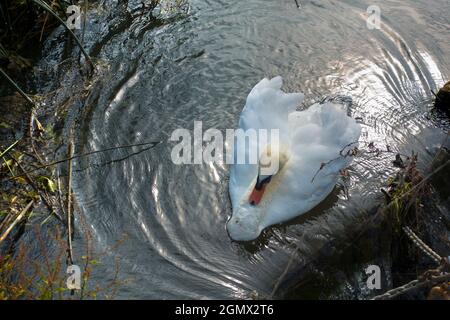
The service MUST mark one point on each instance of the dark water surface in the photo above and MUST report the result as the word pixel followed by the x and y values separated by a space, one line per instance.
pixel 199 63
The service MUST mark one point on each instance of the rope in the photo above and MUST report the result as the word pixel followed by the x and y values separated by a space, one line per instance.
pixel 422 246
pixel 397 291
pixel 412 285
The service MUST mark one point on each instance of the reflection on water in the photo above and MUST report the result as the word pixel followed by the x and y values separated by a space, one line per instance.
pixel 200 64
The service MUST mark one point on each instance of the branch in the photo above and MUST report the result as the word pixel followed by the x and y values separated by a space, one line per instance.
pixel 31 182
pixel 69 207
pixel 153 143
pixel 323 164
pixel 16 221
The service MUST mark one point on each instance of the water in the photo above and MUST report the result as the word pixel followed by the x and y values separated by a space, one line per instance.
pixel 199 63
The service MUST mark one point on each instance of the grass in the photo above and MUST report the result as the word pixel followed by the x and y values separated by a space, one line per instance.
pixel 37 269
pixel 16 87
pixel 406 203
pixel 25 275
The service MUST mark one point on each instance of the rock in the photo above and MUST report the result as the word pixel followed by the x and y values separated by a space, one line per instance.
pixel 440 181
pixel 442 101
pixel 398 162
pixel 440 292
pixel 14 119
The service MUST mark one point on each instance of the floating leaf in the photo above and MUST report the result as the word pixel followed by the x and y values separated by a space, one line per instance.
pixel 17 155
pixel 13 199
pixel 21 180
pixel 49 183
pixel 39 125
pixel 7 163
pixel 33 195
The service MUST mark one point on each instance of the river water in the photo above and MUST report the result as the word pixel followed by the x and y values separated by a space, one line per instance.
pixel 198 63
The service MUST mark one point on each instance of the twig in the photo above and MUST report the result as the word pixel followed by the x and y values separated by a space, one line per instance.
pixel 5 221
pixel 285 271
pixel 154 143
pixel 54 14
pixel 33 119
pixel 9 168
pixel 60 200
pixel 69 206
pixel 353 152
pixel 323 164
pixel 31 182
pixel 19 90
pixel 43 27
pixel 16 221
pixel 283 275
pixel 85 13
pixel 428 177
pixel 9 148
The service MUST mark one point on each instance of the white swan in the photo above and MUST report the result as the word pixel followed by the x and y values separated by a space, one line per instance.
pixel 306 139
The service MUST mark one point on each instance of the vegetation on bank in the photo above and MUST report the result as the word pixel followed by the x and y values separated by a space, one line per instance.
pixel 34 196
pixel 408 211
pixel 31 195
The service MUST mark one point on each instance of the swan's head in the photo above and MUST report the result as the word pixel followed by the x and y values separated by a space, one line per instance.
pixel 245 223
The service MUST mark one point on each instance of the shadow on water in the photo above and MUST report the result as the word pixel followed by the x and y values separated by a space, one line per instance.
pixel 262 242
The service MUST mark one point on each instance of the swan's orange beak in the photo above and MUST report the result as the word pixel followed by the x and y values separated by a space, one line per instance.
pixel 256 195
pixel 258 190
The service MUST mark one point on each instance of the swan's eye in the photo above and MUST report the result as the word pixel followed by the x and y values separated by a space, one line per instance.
pixel 237 220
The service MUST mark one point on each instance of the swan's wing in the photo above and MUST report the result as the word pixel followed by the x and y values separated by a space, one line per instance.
pixel 319 134
pixel 268 107
pixel 324 125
